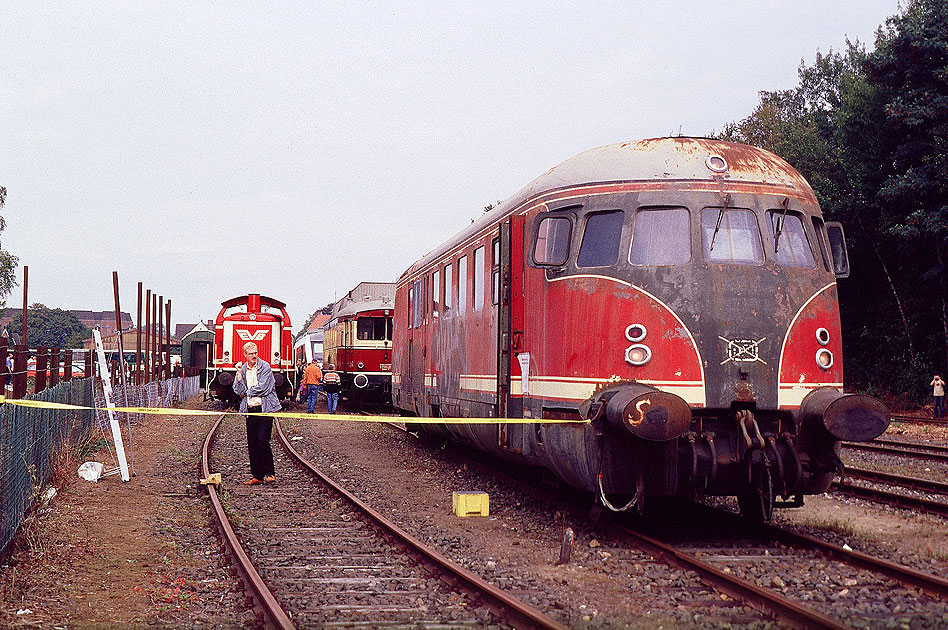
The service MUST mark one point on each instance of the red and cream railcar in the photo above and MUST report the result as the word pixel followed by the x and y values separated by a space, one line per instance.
pixel 357 340
pixel 676 295
pixel 259 319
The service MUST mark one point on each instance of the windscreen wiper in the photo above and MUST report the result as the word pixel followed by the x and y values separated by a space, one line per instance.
pixel 727 201
pixel 779 228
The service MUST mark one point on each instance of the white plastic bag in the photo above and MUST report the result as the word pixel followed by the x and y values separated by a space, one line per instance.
pixel 91 471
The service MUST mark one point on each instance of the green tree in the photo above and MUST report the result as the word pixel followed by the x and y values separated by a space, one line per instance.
pixel 54 327
pixel 868 131
pixel 8 261
pixel 909 67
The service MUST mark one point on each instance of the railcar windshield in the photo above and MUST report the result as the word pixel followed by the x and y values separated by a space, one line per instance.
pixel 661 236
pixel 793 248
pixel 737 239
pixel 600 246
pixel 374 328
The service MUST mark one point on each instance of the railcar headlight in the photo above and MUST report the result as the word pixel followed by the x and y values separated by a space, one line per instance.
pixel 276 354
pixel 823 336
pixel 638 354
pixel 635 333
pixel 361 365
pixel 360 380
pixel 824 358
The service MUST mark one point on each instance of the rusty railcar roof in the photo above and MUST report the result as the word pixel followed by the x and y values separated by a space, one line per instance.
pixel 654 159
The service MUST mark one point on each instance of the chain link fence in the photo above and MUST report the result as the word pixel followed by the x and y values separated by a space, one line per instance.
pixel 34 440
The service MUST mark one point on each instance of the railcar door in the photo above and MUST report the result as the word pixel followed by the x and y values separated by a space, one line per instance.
pixel 510 330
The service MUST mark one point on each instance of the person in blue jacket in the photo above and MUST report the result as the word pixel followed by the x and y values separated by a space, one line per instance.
pixel 253 382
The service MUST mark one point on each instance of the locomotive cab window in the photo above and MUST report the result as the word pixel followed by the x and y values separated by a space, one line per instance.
pixel 661 236
pixel 552 243
pixel 792 249
pixel 731 236
pixel 600 246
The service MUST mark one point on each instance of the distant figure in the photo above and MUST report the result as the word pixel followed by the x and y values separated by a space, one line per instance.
pixel 311 377
pixel 332 384
pixel 254 383
pixel 938 392
pixel 300 368
pixel 9 377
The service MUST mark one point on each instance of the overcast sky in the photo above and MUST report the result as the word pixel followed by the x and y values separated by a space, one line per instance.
pixel 210 150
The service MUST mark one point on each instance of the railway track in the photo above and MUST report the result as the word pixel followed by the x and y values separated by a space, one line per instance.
pixel 915 451
pixel 310 554
pixel 740 562
pixel 919 419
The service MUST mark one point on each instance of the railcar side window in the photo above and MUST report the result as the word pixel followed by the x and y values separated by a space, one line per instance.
pixel 600 246
pixel 661 236
pixel 417 304
pixel 793 248
pixel 552 245
pixel 495 275
pixel 478 278
pixel 435 293
pixel 462 285
pixel 448 286
pixel 736 240
pixel 411 307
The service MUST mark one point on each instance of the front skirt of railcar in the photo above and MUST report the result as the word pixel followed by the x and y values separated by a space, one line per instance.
pixel 652 443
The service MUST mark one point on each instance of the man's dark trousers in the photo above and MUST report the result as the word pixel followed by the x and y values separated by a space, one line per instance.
pixel 259 429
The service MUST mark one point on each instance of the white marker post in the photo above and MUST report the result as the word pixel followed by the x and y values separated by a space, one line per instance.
pixel 110 404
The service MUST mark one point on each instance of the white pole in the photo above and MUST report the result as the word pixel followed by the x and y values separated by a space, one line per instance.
pixel 110 404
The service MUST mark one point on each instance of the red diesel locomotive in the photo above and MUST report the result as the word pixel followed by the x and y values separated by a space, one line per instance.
pixel 259 319
pixel 357 339
pixel 676 295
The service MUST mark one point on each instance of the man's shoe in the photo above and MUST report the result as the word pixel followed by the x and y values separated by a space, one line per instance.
pixel 269 479
pixel 252 482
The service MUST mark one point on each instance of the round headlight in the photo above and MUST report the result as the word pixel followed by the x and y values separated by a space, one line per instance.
pixel 361 365
pixel 638 354
pixel 824 358
pixel 823 336
pixel 360 380
pixel 635 333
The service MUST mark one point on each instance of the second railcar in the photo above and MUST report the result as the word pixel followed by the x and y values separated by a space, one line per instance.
pixel 357 340
pixel 675 296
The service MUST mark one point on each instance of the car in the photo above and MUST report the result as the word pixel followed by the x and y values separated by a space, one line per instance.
pixel 78 369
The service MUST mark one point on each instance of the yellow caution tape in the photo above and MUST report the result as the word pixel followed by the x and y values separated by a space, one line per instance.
pixel 342 417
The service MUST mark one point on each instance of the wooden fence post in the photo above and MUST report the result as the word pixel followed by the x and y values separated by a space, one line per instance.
pixel 42 363
pixel 53 367
pixel 21 354
pixel 67 364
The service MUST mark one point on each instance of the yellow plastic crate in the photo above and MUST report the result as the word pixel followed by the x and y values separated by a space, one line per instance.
pixel 470 503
